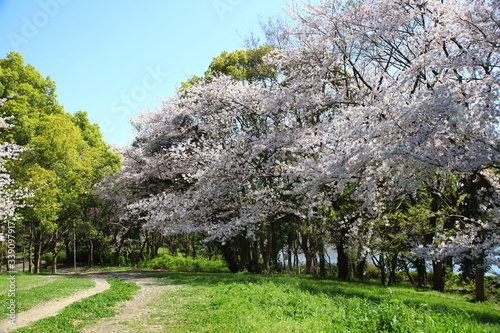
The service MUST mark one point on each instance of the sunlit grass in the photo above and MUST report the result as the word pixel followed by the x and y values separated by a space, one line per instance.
pixel 252 303
pixel 31 290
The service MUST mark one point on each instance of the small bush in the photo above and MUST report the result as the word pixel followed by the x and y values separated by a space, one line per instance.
pixel 61 257
pixel 170 263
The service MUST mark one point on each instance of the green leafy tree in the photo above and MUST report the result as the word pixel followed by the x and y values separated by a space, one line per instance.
pixel 243 65
pixel 65 159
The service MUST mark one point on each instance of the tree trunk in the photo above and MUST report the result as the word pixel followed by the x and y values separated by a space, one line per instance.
pixel 479 283
pixel 116 257
pixel 91 253
pixel 321 252
pixel 382 269
pixel 290 240
pixel 37 253
pixel 244 251
pixel 408 273
pixel 360 268
pixel 229 257
pixel 30 259
pixel 142 249
pixel 193 244
pixel 54 263
pixel 254 256
pixel 342 260
pixel 265 246
pixel 37 259
pixel 439 269
pixel 421 273
pixel 309 253
pixel 69 254
pixel 392 272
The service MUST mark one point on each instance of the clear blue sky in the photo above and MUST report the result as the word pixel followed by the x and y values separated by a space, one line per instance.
pixel 113 57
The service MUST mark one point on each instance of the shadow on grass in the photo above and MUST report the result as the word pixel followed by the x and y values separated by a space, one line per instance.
pixel 363 290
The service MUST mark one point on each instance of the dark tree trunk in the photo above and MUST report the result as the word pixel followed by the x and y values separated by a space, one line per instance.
pixel 37 255
pixel 244 251
pixel 392 272
pixel 230 258
pixel 360 268
pixel 291 245
pixel 91 253
pixel 381 265
pixel 69 253
pixel 342 260
pixel 266 246
pixel 116 256
pixel 30 258
pixel 439 269
pixel 421 273
pixel 475 184
pixel 479 283
pixel 309 253
pixel 255 255
pixel 321 252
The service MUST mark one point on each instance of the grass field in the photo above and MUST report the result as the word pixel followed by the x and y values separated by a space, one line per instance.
pixel 86 311
pixel 252 303
pixel 35 289
pixel 222 302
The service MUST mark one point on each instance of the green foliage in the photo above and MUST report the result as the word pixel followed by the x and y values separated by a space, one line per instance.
pixel 65 159
pixel 84 312
pixel 32 94
pixel 243 65
pixel 251 303
pixel 29 293
pixel 171 263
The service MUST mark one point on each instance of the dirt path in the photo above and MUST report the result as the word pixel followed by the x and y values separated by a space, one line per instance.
pixel 52 307
pixel 134 315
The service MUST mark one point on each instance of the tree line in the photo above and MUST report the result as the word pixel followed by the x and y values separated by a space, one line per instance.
pixel 343 129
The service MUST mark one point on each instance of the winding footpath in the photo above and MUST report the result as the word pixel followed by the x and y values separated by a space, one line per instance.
pixel 52 307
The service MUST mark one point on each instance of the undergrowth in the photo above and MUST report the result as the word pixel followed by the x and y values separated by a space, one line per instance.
pixel 186 264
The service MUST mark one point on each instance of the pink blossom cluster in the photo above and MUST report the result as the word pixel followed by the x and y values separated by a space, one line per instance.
pixel 11 197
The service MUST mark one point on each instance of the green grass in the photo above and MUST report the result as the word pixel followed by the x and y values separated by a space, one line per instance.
pixel 35 289
pixel 85 312
pixel 252 303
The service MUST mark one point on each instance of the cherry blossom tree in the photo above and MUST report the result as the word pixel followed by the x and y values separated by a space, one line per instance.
pixel 11 197
pixel 425 96
pixel 373 99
